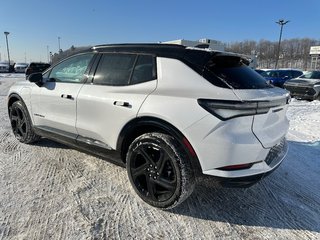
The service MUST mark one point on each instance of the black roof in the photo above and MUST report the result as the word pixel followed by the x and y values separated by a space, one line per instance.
pixel 161 50
pixel 196 58
pixel 187 55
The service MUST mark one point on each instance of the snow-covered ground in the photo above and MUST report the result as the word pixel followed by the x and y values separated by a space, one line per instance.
pixel 49 191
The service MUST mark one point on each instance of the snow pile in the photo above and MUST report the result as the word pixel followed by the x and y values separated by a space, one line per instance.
pixel 304 119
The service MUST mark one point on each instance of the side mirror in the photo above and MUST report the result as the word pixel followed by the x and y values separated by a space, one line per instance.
pixel 35 78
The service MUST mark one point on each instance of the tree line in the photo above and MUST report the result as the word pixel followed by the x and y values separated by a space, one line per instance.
pixel 294 53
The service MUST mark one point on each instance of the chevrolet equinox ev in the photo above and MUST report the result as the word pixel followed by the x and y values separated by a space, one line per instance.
pixel 169 113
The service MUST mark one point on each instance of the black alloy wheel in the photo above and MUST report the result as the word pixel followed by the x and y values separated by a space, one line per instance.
pixel 21 123
pixel 159 171
pixel 18 123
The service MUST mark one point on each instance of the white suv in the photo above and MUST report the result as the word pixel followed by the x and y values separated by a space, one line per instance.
pixel 169 113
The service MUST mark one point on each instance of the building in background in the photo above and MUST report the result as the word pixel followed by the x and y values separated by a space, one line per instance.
pixel 315 57
pixel 202 43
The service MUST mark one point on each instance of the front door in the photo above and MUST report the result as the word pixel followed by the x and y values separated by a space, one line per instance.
pixel 54 103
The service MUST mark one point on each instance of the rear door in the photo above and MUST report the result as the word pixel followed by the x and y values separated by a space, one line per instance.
pixel 54 103
pixel 119 87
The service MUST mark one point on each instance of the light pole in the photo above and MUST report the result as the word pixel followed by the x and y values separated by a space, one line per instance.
pixel 47 54
pixel 59 44
pixel 281 22
pixel 7 33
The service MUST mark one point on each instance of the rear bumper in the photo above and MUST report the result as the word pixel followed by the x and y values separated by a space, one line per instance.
pixel 241 182
pixel 274 159
pixel 219 144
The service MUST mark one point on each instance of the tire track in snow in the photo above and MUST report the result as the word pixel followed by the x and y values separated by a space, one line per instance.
pixel 5 227
pixel 113 223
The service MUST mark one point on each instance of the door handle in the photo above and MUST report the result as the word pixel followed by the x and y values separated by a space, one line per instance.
pixel 122 104
pixel 67 96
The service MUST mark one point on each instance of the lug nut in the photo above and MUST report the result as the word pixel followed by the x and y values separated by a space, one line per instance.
pixel 148 169
pixel 154 177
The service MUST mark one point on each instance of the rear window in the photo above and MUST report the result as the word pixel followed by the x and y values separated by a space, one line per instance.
pixel 312 75
pixel 232 72
pixel 40 65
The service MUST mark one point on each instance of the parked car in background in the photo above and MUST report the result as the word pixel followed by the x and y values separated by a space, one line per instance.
pixel 35 67
pixel 307 86
pixel 4 67
pixel 20 67
pixel 168 112
pixel 278 77
pixel 261 72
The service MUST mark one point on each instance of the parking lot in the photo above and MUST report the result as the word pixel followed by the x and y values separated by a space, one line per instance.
pixel 50 191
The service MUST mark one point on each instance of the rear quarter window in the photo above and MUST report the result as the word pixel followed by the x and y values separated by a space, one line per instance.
pixel 232 72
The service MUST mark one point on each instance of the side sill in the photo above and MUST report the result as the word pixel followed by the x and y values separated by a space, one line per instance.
pixel 82 144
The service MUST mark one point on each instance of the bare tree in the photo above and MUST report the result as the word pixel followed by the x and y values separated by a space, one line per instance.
pixel 294 52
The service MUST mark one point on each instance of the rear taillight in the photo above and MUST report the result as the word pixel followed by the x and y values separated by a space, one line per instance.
pixel 225 109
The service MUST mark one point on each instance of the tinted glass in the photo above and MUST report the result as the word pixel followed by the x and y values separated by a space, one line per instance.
pixel 144 69
pixel 114 69
pixel 231 72
pixel 273 74
pixel 296 74
pixel 262 73
pixel 72 69
pixel 283 74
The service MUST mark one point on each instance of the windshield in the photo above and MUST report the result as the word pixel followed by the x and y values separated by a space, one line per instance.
pixel 232 72
pixel 312 75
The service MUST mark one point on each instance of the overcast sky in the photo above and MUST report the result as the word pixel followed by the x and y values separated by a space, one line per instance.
pixel 36 24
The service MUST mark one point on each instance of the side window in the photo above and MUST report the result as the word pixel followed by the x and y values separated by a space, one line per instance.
pixel 283 74
pixel 296 74
pixel 71 70
pixel 114 69
pixel 274 74
pixel 144 69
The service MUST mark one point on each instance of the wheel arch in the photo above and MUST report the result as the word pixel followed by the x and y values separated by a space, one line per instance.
pixel 142 125
pixel 13 97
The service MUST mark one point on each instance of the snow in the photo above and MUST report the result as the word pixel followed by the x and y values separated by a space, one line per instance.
pixel 49 191
pixel 304 119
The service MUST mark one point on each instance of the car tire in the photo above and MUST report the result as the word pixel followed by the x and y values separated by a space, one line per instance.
pixel 21 123
pixel 159 170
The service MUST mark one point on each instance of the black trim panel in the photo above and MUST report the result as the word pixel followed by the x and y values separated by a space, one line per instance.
pixel 72 140
pixel 241 182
